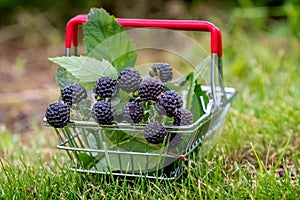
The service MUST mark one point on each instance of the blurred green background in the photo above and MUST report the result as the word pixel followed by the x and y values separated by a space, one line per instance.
pixel 58 12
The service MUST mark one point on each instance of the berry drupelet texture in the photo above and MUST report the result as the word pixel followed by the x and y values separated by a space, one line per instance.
pixel 155 133
pixel 183 117
pixel 129 80
pixel 103 112
pixel 150 89
pixel 73 93
pixel 133 112
pixel 163 71
pixel 105 87
pixel 58 114
pixel 168 103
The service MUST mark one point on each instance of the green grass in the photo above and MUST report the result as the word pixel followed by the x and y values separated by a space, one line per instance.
pixel 257 156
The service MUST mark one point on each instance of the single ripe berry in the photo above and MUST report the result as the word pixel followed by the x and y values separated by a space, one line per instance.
pixel 73 93
pixel 163 71
pixel 129 80
pixel 150 89
pixel 105 87
pixel 168 103
pixel 133 112
pixel 183 117
pixel 103 112
pixel 58 114
pixel 155 133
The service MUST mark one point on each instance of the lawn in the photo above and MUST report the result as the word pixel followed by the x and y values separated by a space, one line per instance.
pixel 256 157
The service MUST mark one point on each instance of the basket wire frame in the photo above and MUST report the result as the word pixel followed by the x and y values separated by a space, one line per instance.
pixel 166 162
pixel 73 139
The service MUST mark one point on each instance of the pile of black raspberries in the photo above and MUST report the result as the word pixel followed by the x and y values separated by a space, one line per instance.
pixel 151 89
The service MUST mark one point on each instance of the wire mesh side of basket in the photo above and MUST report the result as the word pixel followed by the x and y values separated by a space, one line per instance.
pixel 91 150
pixel 100 155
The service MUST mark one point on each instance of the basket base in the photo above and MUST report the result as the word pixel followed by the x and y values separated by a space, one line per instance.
pixel 170 172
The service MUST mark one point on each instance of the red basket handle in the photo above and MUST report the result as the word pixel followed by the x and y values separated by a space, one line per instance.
pixel 191 25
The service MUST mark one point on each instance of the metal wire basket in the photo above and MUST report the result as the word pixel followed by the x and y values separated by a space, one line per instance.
pixel 90 146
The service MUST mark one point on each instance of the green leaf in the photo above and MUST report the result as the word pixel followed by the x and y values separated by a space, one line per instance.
pixel 64 78
pixel 118 140
pixel 85 69
pixel 189 79
pixel 82 110
pixel 197 109
pixel 192 78
pixel 86 161
pixel 115 137
pixel 119 101
pixel 105 39
pixel 123 162
pixel 195 91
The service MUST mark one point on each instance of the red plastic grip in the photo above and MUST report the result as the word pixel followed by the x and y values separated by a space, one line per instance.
pixel 191 25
